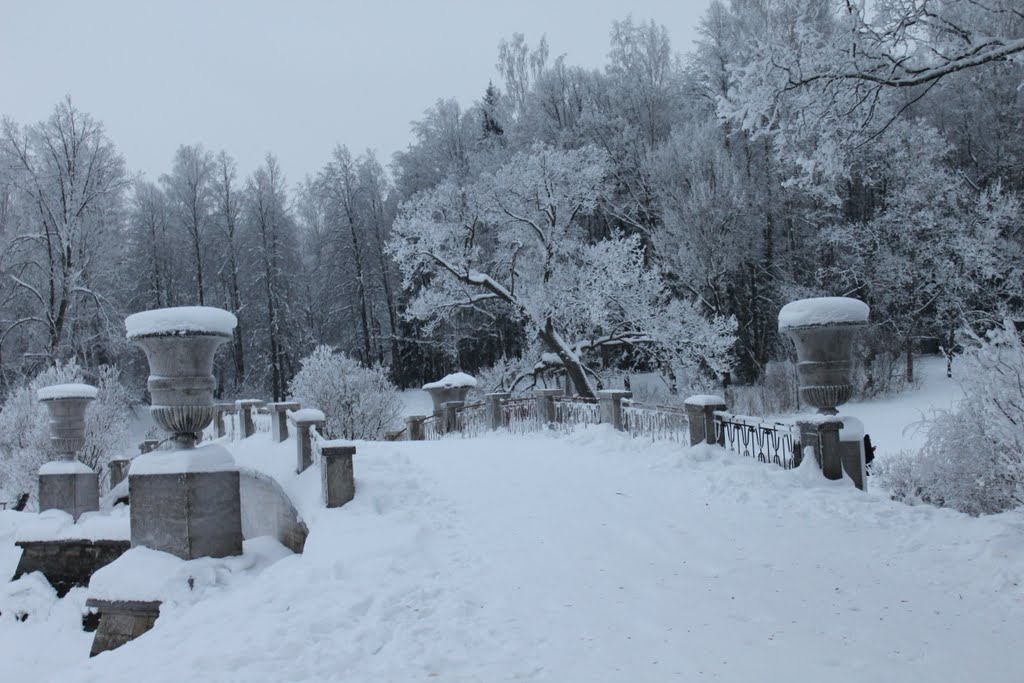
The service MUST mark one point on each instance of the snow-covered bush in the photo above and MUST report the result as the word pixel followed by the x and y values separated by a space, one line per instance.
pixel 359 402
pixel 973 456
pixel 25 431
pixel 775 393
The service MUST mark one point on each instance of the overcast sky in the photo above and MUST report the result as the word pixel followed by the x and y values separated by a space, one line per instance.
pixel 294 78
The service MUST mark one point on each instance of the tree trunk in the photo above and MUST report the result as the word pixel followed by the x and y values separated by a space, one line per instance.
pixel 570 362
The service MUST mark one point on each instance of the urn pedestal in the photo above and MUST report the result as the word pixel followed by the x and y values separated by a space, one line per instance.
pixel 68 484
pixel 184 500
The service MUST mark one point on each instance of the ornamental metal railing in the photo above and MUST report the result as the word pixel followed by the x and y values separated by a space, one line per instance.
pixel 660 423
pixel 763 440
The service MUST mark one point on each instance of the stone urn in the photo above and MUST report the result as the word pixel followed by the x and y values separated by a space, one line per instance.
pixel 184 500
pixel 67 484
pixel 453 387
pixel 823 330
pixel 180 344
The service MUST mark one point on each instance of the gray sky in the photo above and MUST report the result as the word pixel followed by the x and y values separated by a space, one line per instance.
pixel 294 78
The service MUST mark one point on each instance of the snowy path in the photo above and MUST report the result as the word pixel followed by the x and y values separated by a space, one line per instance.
pixel 597 558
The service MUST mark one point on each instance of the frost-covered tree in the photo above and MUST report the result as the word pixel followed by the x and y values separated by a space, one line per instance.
pixel 358 402
pixel 189 188
pixel 514 240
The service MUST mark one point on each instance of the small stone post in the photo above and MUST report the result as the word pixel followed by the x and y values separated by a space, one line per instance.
pixel 450 416
pixel 222 409
pixel 700 414
pixel 851 451
pixel 336 476
pixel 414 428
pixel 245 408
pixel 495 414
pixel 610 404
pixel 546 404
pixel 118 471
pixel 279 419
pixel 823 437
pixel 304 421
pixel 148 446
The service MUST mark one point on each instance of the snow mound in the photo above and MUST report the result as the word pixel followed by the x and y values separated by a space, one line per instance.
pixel 65 467
pixel 54 525
pixel 180 320
pixel 210 458
pixel 823 311
pixel 309 415
pixel 705 400
pixel 452 381
pixel 67 391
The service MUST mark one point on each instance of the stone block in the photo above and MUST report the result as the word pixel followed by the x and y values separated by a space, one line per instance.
pixel 73 493
pixel 121 621
pixel 336 475
pixel 188 514
pixel 67 563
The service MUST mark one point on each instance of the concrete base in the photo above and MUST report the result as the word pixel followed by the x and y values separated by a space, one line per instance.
pixel 188 514
pixel 121 621
pixel 337 479
pixel 73 493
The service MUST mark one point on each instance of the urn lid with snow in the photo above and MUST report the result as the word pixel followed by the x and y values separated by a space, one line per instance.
pixel 453 387
pixel 180 344
pixel 67 404
pixel 823 330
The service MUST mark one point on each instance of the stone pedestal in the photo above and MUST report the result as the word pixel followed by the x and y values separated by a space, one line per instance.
pixel 279 419
pixel 700 416
pixel 223 413
pixel 148 446
pixel 610 406
pixel 822 437
pixel 186 503
pixel 450 416
pixel 304 441
pixel 121 621
pixel 336 475
pixel 118 470
pixel 69 486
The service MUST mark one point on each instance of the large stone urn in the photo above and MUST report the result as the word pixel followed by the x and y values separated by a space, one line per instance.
pixel 68 484
pixel 450 388
pixel 823 330
pixel 184 500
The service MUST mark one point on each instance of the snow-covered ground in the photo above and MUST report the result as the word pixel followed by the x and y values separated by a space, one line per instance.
pixel 592 557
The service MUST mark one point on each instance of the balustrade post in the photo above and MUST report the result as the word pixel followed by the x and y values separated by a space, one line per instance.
pixel 414 430
pixel 279 419
pixel 148 446
pixel 610 404
pixel 450 416
pixel 225 412
pixel 245 408
pixel 546 404
pixel 495 413
pixel 822 436
pixel 304 421
pixel 700 415
pixel 337 479
pixel 118 470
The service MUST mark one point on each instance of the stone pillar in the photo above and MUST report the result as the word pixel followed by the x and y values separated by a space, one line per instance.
pixel 700 415
pixel 450 416
pixel 245 408
pixel 546 404
pixel 118 471
pixel 305 420
pixel 336 476
pixel 851 451
pixel 414 428
pixel 279 419
pixel 495 414
pixel 219 425
pixel 121 621
pixel 822 436
pixel 610 404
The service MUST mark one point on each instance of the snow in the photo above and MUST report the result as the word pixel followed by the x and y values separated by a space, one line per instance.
pixel 210 458
pixel 852 429
pixel 308 415
pixel 456 379
pixel 52 525
pixel 705 400
pixel 180 320
pixel 65 467
pixel 591 557
pixel 822 311
pixel 67 391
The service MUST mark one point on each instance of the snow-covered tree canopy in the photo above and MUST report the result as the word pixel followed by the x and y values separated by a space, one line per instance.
pixel 515 239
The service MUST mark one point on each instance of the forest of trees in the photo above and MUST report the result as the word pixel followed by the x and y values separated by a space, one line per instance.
pixel 652 214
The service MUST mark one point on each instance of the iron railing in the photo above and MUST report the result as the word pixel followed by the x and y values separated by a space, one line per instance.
pixel 752 437
pixel 660 423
